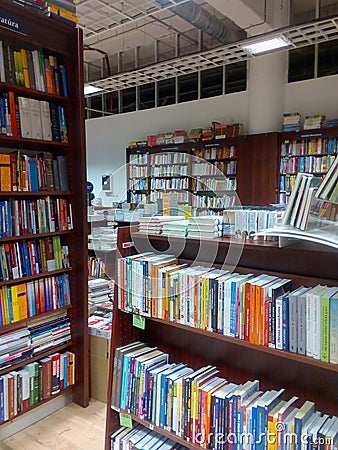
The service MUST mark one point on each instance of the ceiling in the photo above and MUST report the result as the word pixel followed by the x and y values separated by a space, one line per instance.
pixel 135 33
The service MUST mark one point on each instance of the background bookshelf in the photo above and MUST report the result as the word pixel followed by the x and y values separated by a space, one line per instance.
pixel 238 360
pixel 243 160
pixel 310 151
pixel 37 33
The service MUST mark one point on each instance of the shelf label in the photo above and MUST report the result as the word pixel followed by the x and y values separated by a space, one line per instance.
pixel 139 321
pixel 151 427
pixel 125 420
pixel 127 244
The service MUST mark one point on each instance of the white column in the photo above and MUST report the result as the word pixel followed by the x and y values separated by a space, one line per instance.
pixel 266 83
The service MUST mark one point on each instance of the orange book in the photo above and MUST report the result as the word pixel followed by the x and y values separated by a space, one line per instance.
pixel 22 301
pixel 5 172
pixel 10 396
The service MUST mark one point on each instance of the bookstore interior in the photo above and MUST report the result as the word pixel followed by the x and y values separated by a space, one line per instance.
pixel 169 222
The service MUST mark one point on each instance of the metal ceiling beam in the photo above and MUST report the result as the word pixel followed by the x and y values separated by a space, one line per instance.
pixel 315 32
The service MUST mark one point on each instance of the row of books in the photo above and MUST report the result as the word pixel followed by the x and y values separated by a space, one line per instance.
pixel 136 171
pixel 154 224
pixel 25 258
pixel 22 389
pixel 328 189
pixel 33 172
pixel 33 216
pixel 250 220
pixel 20 301
pixel 172 183
pixel 138 158
pixel 216 152
pixel 140 437
pixel 178 197
pixel 207 201
pixel 34 69
pixel 313 164
pixel 138 184
pixel 96 267
pixel 169 137
pixel 213 184
pixel 262 310
pixel 168 170
pixel 169 158
pixel 291 122
pixel 315 146
pixel 286 184
pixel 206 409
pixel 219 167
pixel 138 198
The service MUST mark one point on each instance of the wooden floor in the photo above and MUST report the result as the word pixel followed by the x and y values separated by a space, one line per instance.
pixel 70 428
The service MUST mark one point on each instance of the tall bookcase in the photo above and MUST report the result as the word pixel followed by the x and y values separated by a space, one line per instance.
pixel 238 360
pixel 33 31
pixel 310 151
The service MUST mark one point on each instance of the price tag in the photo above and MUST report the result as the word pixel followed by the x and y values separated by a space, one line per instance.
pixel 139 321
pixel 125 420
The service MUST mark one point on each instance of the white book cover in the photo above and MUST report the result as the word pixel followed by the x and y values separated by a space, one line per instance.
pixel 36 125
pixel 334 329
pixel 25 117
pixel 45 121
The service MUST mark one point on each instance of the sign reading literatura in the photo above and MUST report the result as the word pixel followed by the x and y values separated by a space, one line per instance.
pixel 12 23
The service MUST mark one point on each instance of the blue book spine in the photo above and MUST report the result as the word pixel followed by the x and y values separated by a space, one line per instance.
pixel 65 371
pixel 63 72
pixel 153 412
pixel 3 127
pixel 124 382
pixel 285 323
pixel 233 309
pixel 10 304
pixel 260 427
pixel 163 393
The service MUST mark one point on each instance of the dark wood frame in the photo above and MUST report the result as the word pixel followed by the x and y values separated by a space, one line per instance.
pixel 66 42
pixel 237 360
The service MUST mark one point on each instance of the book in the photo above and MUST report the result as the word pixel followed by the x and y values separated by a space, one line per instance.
pixel 25 117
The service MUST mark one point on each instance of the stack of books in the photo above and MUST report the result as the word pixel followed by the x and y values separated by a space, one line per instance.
pixel 328 123
pixel 154 224
pixel 62 10
pixel 15 346
pixel 313 122
pixel 100 324
pixel 205 227
pixel 291 121
pixel 99 290
pixel 177 228
pixel 50 332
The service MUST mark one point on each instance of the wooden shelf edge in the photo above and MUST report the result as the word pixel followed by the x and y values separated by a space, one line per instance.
pixel 33 193
pixel 160 430
pixel 32 92
pixel 33 236
pixel 241 343
pixel 36 357
pixel 35 277
pixel 25 322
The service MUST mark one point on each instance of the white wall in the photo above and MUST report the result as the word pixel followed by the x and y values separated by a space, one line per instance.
pixel 268 97
pixel 108 137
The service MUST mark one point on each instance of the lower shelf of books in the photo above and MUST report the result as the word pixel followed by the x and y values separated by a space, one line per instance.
pixel 201 406
pixel 30 385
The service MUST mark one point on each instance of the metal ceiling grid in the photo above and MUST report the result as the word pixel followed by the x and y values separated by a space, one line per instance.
pixel 299 36
pixel 100 16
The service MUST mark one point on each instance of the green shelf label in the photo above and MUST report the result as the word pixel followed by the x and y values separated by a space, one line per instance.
pixel 139 321
pixel 125 420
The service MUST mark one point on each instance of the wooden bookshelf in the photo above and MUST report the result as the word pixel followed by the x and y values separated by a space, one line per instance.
pixel 250 159
pixel 39 32
pixel 237 360
pixel 308 151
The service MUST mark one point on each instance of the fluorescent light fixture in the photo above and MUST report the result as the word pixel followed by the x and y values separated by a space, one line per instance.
pixel 267 45
pixel 89 89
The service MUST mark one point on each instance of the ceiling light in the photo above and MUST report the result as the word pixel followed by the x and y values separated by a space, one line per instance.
pixel 266 45
pixel 90 89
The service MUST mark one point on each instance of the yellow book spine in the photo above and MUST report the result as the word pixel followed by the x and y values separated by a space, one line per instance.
pixel 15 304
